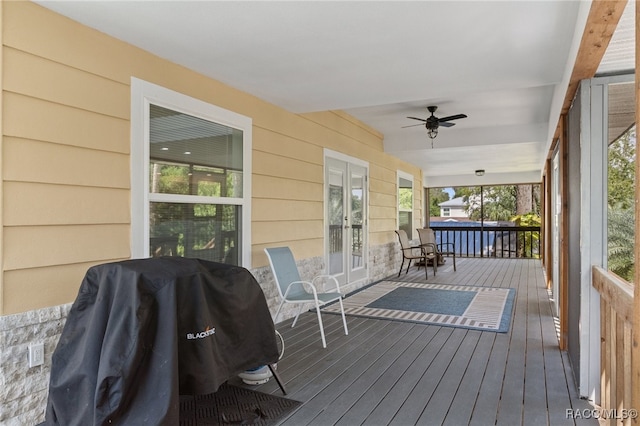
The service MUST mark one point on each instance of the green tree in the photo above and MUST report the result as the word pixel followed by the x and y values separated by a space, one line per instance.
pixel 620 203
pixel 528 241
pixel 499 202
pixel 436 196
pixel 621 171
pixel 502 202
pixel 621 227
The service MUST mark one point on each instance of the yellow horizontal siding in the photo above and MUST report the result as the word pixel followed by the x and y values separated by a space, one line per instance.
pixel 27 204
pixel 265 163
pixel 383 237
pixel 378 199
pixel 344 125
pixel 32 118
pixel 268 232
pixel 38 246
pixel 32 28
pixel 33 288
pixel 383 212
pixel 285 189
pixel 286 146
pixel 382 186
pixel 32 161
pixel 43 79
pixel 383 225
pixel 382 173
pixel 272 209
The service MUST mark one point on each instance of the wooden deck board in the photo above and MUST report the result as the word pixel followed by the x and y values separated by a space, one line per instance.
pixel 347 400
pixel 414 405
pixel 327 386
pixel 400 391
pixel 558 396
pixel 395 373
pixel 439 405
pixel 511 403
pixel 373 397
pixel 535 392
pixel 467 395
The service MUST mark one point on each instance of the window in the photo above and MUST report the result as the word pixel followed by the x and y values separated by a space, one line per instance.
pixel 405 203
pixel 446 212
pixel 190 192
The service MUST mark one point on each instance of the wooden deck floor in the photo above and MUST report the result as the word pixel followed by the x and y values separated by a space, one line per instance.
pixel 396 373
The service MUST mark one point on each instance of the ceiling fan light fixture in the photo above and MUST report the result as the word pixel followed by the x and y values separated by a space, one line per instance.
pixel 432 122
pixel 480 172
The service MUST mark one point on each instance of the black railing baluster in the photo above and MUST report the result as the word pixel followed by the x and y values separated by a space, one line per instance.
pixel 521 241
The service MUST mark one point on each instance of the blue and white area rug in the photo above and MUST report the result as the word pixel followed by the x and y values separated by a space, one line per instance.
pixel 481 308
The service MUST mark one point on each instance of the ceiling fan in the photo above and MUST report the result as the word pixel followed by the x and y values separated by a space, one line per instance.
pixel 432 123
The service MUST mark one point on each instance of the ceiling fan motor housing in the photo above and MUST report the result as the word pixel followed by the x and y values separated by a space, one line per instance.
pixel 432 123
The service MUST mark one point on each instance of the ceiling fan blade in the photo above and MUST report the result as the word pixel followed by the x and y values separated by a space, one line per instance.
pixel 447 124
pixel 413 125
pixel 416 118
pixel 452 117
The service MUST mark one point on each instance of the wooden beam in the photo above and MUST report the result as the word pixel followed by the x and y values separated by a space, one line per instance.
pixel 601 23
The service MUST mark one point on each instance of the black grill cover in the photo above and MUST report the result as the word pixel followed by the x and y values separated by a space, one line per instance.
pixel 142 332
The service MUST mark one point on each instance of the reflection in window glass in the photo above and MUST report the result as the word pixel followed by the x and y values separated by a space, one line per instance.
pixel 405 206
pixel 191 157
pixel 204 231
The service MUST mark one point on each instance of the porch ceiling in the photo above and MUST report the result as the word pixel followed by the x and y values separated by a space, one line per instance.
pixel 507 65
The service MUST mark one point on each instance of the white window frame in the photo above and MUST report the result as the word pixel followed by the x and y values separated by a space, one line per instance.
pixel 407 176
pixel 143 94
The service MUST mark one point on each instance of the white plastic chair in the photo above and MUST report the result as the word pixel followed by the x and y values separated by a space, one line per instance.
pixel 293 289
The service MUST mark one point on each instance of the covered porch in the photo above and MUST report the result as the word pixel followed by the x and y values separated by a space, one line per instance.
pixel 73 180
pixel 390 372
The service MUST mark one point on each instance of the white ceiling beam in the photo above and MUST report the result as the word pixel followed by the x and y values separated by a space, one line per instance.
pixel 488 179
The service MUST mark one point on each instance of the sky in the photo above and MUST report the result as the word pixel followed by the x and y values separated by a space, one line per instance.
pixel 450 191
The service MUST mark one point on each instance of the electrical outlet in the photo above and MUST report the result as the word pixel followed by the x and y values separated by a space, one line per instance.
pixel 36 354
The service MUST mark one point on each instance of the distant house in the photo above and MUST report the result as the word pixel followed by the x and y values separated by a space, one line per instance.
pixel 455 207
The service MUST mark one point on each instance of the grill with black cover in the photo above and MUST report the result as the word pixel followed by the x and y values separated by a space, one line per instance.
pixel 142 332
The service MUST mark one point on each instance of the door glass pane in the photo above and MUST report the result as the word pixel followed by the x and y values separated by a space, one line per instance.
pixel 336 221
pixel 357 220
pixel 192 156
pixel 204 231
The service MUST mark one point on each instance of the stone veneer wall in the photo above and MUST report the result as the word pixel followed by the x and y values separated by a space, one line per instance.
pixel 384 260
pixel 24 390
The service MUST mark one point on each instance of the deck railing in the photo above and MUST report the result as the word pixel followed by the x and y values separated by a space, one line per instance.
pixel 336 235
pixel 616 319
pixel 491 241
pixel 470 241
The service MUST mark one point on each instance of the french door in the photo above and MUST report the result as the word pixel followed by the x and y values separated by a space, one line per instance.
pixel 346 220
